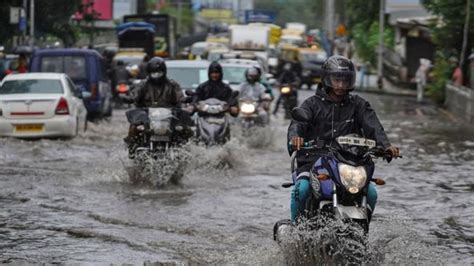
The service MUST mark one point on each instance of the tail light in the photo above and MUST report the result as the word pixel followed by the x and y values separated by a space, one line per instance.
pixel 94 90
pixel 122 88
pixel 63 107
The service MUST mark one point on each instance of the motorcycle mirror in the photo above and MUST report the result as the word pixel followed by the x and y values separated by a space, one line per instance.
pixel 300 115
pixel 189 92
pixel 235 94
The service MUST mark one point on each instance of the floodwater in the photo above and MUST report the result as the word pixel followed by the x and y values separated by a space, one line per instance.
pixel 71 201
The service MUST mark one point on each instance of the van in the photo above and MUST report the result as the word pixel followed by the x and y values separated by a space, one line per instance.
pixel 86 69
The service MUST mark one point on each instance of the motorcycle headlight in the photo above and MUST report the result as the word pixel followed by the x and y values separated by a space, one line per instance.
pixel 352 177
pixel 247 108
pixel 141 127
pixel 204 107
pixel 285 90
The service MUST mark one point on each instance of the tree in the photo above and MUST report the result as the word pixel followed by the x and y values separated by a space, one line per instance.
pixel 363 20
pixel 51 17
pixel 448 36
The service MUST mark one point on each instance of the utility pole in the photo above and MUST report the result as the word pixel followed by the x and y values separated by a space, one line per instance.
pixel 381 45
pixel 330 19
pixel 180 15
pixel 32 23
pixel 465 34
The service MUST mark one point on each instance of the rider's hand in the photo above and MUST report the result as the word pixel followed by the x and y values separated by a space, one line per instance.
pixel 189 108
pixel 234 110
pixel 297 142
pixel 393 151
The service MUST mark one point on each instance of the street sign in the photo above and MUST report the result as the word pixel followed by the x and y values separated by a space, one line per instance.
pixel 22 24
pixel 262 16
pixel 14 15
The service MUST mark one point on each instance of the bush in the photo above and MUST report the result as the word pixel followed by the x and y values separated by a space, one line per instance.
pixel 366 38
pixel 440 75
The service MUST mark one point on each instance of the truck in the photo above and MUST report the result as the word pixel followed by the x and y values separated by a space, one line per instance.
pixel 138 35
pixel 249 37
pixel 165 32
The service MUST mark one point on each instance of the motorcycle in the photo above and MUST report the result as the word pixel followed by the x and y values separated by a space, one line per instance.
pixel 158 129
pixel 339 181
pixel 289 96
pixel 249 111
pixel 212 124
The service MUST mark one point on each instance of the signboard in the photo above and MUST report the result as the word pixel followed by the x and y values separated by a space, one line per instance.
pixel 14 15
pixel 213 13
pixel 259 16
pixel 103 9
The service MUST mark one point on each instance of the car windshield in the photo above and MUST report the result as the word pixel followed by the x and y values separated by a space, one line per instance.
pixel 188 77
pixel 31 86
pixel 73 66
pixel 234 74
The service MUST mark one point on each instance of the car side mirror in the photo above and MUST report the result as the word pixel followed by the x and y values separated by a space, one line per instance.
pixel 300 115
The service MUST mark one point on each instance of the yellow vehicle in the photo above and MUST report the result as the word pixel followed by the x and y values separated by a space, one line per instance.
pixel 311 61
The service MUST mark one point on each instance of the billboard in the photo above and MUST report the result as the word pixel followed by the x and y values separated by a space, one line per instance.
pixel 103 9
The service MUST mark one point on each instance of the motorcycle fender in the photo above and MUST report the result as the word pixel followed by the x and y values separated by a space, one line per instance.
pixel 351 212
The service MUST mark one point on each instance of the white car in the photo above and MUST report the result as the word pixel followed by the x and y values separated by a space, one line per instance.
pixel 41 105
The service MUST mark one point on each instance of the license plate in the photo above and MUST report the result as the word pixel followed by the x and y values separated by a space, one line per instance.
pixel 29 128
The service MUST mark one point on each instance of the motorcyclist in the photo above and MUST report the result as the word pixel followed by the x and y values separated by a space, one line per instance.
pixel 333 112
pixel 120 75
pixel 253 89
pixel 268 88
pixel 156 91
pixel 287 76
pixel 216 88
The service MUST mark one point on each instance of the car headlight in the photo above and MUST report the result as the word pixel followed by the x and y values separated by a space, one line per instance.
pixel 285 90
pixel 247 108
pixel 352 177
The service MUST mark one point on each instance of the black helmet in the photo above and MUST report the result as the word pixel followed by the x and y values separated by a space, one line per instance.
pixel 339 68
pixel 156 69
pixel 215 67
pixel 251 74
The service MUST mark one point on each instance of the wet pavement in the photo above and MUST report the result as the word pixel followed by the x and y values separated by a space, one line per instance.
pixel 71 201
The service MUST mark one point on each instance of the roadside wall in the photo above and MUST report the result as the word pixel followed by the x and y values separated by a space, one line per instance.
pixel 460 101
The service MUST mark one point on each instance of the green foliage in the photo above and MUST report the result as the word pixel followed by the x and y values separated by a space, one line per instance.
pixel 187 17
pixel 362 12
pixel 367 41
pixel 51 17
pixel 440 74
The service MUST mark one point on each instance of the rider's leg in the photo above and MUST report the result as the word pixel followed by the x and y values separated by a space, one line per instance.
pixel 371 196
pixel 298 198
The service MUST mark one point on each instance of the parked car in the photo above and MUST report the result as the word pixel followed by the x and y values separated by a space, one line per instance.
pixel 188 73
pixel 41 105
pixel 86 69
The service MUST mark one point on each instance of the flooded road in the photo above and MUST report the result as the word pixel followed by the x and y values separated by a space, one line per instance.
pixel 72 200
